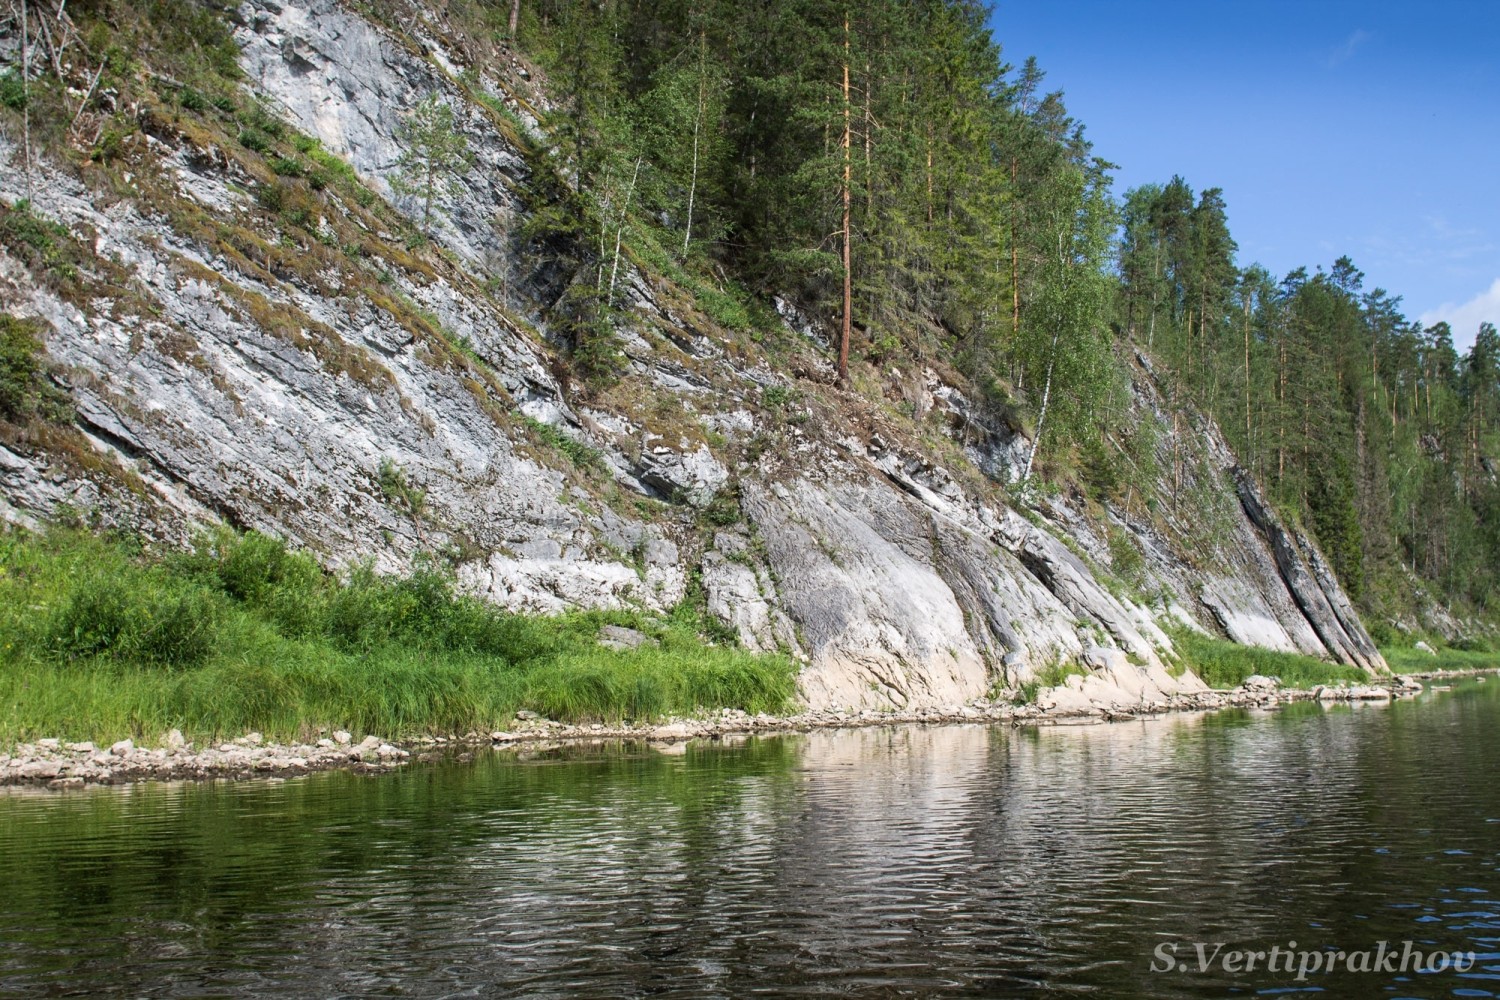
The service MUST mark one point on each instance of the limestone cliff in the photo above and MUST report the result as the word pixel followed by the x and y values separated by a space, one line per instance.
pixel 370 400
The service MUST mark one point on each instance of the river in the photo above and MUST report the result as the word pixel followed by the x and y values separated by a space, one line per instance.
pixel 901 861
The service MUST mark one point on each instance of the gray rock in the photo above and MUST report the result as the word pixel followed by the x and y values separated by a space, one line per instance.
pixel 1423 647
pixel 1102 658
pixel 122 748
pixel 618 637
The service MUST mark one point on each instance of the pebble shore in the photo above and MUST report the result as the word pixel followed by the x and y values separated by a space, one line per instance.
pixel 52 763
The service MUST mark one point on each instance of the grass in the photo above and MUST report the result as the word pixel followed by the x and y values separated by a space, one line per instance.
pixel 101 639
pixel 580 454
pixel 1052 675
pixel 1406 660
pixel 24 389
pixel 1225 665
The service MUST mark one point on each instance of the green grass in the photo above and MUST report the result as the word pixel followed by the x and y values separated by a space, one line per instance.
pixel 1052 675
pixel 1405 660
pixel 100 639
pixel 1225 665
pixel 580 454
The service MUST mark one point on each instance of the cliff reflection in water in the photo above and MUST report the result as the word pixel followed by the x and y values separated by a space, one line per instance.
pixel 965 859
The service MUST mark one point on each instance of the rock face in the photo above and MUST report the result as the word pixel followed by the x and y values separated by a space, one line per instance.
pixel 290 397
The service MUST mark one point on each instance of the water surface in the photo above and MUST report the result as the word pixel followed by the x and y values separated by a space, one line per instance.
pixel 975 860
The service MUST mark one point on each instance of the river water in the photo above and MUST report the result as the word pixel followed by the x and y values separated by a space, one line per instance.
pixel 905 861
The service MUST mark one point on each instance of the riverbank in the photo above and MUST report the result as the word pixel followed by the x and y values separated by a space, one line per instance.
pixel 54 764
pixel 103 637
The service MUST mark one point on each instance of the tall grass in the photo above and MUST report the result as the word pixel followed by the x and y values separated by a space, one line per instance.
pixel 1225 665
pixel 100 639
pixel 1405 660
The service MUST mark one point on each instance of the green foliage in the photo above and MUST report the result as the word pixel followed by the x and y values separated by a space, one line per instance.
pixel 434 154
pixel 99 639
pixel 41 242
pixel 588 325
pixel 1225 665
pixel 13 90
pixel 143 618
pixel 1407 660
pixel 580 454
pixel 25 391
pixel 395 486
pixel 723 508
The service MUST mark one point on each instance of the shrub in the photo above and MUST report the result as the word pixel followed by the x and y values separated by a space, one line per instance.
pixel 134 617
pixel 12 91
pixel 286 587
pixel 255 140
pixel 24 392
pixel 193 100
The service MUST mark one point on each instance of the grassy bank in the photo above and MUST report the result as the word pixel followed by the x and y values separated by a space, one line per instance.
pixel 1405 660
pixel 100 639
pixel 1225 665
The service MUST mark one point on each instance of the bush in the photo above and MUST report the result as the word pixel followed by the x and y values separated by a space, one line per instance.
pixel 24 393
pixel 255 140
pixel 136 618
pixel 286 587
pixel 13 91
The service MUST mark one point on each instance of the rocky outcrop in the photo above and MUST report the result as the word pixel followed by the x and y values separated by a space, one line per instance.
pixel 375 406
pixel 1310 582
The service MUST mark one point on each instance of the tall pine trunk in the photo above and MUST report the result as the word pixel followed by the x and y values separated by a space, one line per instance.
pixel 847 324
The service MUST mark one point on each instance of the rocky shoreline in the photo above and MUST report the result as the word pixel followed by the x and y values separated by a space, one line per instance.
pixel 52 763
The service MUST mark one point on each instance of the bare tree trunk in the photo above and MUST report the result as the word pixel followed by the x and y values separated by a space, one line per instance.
pixel 26 96
pixel 603 231
pixel 515 16
pixel 1015 256
pixel 1248 433
pixel 614 270
pixel 687 235
pixel 1041 420
pixel 847 324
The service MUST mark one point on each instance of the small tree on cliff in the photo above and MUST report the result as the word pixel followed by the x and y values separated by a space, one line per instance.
pixel 433 156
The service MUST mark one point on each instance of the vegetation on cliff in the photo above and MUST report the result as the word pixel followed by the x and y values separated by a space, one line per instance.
pixel 102 638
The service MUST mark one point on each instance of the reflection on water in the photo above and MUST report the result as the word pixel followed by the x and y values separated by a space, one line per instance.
pixel 903 861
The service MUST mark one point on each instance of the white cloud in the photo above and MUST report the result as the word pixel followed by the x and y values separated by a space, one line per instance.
pixel 1465 317
pixel 1345 52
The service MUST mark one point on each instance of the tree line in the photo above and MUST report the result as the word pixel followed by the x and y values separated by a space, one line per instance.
pixel 884 165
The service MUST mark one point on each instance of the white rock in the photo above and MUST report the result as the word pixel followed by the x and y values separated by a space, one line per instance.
pixel 1104 658
pixel 122 748
pixel 673 731
pixel 342 738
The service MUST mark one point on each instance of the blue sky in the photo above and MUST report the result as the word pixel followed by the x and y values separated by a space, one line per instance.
pixel 1369 129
